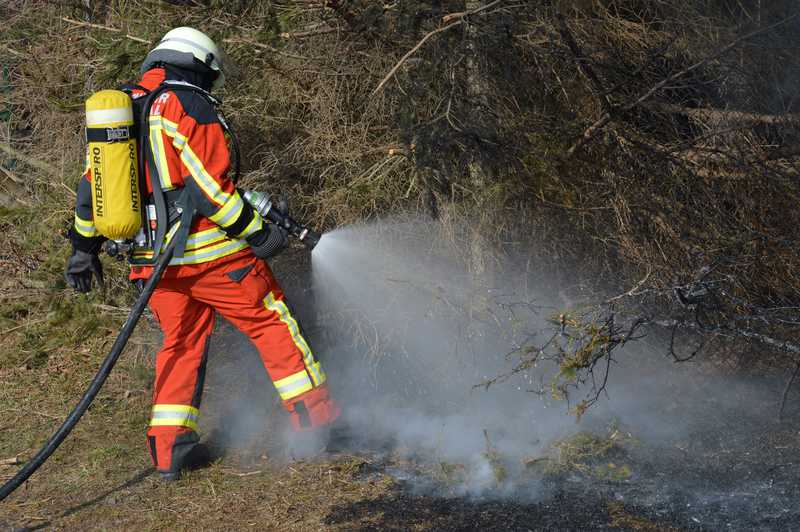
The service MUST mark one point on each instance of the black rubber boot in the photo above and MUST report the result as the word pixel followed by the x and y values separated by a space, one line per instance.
pixel 199 456
pixel 170 476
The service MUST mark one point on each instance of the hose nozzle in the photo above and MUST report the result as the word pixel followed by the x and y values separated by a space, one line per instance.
pixel 262 204
pixel 310 238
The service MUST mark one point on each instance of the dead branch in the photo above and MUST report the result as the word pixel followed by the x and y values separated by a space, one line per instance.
pixel 411 52
pixel 632 291
pixel 601 122
pixel 460 20
pixel 106 28
pixel 783 345
pixel 722 116
pixel 583 64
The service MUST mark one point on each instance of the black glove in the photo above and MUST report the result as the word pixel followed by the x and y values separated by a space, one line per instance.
pixel 80 268
pixel 269 241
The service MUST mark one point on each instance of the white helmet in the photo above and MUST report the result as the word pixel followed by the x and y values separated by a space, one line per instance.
pixel 188 48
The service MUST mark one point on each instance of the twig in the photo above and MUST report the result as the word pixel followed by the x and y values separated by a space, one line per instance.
pixel 106 28
pixel 30 161
pixel 786 390
pixel 783 345
pixel 247 474
pixel 90 25
pixel 12 329
pixel 411 52
pixel 15 52
pixel 138 39
pixel 310 33
pixel 460 16
pixel 632 291
pixel 10 461
pixel 264 47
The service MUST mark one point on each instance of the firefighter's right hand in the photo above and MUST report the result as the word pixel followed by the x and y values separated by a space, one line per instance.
pixel 80 269
pixel 269 241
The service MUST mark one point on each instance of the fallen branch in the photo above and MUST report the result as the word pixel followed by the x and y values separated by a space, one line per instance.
pixel 716 117
pixel 601 122
pixel 10 461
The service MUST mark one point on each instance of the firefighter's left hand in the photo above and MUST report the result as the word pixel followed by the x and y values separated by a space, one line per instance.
pixel 80 269
pixel 269 241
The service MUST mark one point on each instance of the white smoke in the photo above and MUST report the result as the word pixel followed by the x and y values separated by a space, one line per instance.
pixel 407 336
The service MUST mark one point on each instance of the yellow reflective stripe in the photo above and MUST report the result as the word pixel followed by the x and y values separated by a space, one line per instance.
pixel 170 128
pixel 210 253
pixel 229 212
pixel 203 254
pixel 294 385
pixel 202 177
pixel 174 416
pixel 205 238
pixel 255 224
pixel 85 227
pixel 179 141
pixel 159 155
pixel 313 368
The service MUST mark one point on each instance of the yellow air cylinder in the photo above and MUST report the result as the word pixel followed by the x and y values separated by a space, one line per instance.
pixel 113 160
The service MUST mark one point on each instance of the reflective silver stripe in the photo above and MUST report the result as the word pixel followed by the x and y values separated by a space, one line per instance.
pixel 230 211
pixel 198 239
pixel 299 384
pixel 108 116
pixel 276 305
pixel 175 415
pixel 212 252
pixel 294 385
pixel 157 149
pixel 187 42
pixel 202 177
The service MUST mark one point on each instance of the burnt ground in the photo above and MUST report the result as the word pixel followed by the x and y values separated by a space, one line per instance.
pixel 723 470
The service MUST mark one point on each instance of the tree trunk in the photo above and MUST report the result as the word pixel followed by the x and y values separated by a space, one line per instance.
pixel 477 173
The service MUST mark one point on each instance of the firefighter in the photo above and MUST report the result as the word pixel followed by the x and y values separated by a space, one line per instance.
pixel 222 270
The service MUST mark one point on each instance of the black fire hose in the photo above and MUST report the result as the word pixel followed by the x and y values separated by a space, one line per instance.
pixel 99 379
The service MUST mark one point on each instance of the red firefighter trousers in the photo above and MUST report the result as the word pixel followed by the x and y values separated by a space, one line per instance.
pixel 245 292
